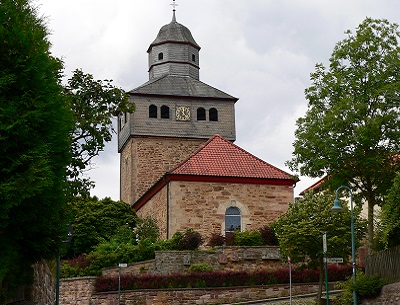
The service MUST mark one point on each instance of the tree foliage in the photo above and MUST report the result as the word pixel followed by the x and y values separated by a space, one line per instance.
pixel 94 103
pixel 389 233
pixel 34 143
pixel 95 221
pixel 300 230
pixel 351 130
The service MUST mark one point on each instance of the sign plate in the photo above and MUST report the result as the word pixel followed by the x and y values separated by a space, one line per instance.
pixel 122 265
pixel 332 260
pixel 324 244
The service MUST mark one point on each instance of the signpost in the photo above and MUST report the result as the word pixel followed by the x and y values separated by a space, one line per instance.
pixel 290 279
pixel 120 265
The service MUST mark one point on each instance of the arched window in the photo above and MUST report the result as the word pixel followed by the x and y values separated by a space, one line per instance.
pixel 164 112
pixel 201 114
pixel 233 219
pixel 213 114
pixel 193 58
pixel 153 111
pixel 160 56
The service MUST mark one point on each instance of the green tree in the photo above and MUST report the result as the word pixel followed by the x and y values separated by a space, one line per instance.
pixel 351 130
pixel 389 234
pixel 95 221
pixel 300 231
pixel 94 103
pixel 35 121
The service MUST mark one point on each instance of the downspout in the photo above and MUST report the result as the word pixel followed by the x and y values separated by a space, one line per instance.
pixel 168 209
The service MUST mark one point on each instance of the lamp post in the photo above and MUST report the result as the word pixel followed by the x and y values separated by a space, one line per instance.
pixel 338 208
pixel 67 241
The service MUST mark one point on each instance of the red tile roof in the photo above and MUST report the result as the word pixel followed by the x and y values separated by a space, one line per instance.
pixel 219 157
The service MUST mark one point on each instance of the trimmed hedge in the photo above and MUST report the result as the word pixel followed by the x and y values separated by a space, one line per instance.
pixel 218 279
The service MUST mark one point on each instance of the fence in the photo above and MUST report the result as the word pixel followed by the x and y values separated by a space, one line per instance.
pixel 385 263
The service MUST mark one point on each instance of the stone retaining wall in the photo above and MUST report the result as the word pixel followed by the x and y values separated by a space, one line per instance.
pixel 390 294
pixel 222 259
pixel 199 296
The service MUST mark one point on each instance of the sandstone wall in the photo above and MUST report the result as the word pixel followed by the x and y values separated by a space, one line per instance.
pixel 77 291
pixel 390 294
pixel 144 160
pixel 43 290
pixel 199 296
pixel 202 205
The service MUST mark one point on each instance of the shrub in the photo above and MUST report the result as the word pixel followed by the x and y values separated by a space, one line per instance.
pixel 365 286
pixel 188 240
pixel 268 236
pixel 201 267
pixel 216 240
pixel 202 279
pixel 248 238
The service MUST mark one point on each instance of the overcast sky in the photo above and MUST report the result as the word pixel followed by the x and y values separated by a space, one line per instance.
pixel 260 51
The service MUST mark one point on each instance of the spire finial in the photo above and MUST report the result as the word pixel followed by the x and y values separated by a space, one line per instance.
pixel 174 5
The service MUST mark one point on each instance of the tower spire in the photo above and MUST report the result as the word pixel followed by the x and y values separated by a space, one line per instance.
pixel 174 5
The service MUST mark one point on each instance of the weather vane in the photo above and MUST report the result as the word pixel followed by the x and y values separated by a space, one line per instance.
pixel 174 5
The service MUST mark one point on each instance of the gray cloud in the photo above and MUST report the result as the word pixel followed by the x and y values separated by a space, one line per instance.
pixel 261 51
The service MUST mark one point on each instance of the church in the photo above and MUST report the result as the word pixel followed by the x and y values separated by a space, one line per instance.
pixel 178 160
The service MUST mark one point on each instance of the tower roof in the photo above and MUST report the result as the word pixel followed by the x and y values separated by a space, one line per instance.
pixel 174 32
pixel 173 85
pixel 219 157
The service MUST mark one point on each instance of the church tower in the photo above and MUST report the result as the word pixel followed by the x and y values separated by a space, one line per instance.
pixel 175 113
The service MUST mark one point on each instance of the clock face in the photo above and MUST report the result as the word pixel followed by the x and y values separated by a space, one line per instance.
pixel 182 114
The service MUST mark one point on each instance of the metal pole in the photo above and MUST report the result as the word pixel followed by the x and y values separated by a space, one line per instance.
pixel 353 242
pixel 290 280
pixel 119 284
pixel 326 267
pixel 353 249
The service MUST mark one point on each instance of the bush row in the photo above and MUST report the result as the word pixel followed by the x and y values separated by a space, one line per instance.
pixel 125 247
pixel 219 279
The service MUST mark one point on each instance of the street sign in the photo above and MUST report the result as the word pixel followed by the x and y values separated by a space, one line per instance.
pixel 324 245
pixel 332 260
pixel 122 265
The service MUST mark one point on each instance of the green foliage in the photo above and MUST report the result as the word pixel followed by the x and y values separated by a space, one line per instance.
pixel 96 220
pixel 351 131
pixel 146 228
pixel 248 238
pixel 300 230
pixel 34 144
pixel 94 104
pixel 389 235
pixel 188 240
pixel 366 287
pixel 200 267
pixel 268 235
